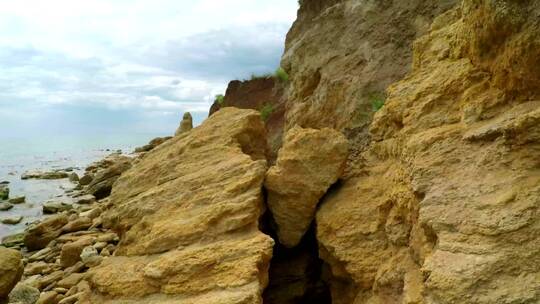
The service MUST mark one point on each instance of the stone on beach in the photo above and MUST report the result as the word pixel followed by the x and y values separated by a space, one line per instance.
pixel 13 240
pixel 11 270
pixel 44 175
pixel 85 199
pixel 73 177
pixel 86 179
pixel 81 223
pixel 17 200
pixel 4 191
pixel 5 206
pixel 55 207
pixel 37 236
pixel 24 294
pixel 14 220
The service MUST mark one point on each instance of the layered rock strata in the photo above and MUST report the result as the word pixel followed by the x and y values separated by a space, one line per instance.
pixel 188 215
pixel 342 54
pixel 444 205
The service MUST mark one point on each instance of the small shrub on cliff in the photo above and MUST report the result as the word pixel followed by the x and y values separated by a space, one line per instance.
pixel 281 75
pixel 220 99
pixel 266 111
pixel 377 102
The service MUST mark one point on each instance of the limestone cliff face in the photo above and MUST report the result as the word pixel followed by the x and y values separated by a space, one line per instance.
pixel 342 54
pixel 187 215
pixel 442 206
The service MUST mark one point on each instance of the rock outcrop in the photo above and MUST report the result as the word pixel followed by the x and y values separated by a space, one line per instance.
pixel 11 270
pixel 40 234
pixel 309 162
pixel 185 125
pixel 342 54
pixel 442 204
pixel 101 185
pixel 188 215
pixel 264 94
pixel 152 144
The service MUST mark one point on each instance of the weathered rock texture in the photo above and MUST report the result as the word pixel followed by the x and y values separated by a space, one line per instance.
pixel 101 185
pixel 443 204
pixel 188 218
pixel 11 270
pixel 309 162
pixel 341 54
pixel 266 93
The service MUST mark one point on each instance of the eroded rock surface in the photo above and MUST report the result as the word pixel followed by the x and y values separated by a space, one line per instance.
pixel 342 54
pixel 443 207
pixel 309 162
pixel 11 270
pixel 188 218
pixel 101 185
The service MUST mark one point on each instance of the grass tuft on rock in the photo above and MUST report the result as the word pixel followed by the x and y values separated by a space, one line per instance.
pixel 281 75
pixel 266 111
pixel 377 101
pixel 220 99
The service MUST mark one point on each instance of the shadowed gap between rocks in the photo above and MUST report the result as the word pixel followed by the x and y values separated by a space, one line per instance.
pixel 297 275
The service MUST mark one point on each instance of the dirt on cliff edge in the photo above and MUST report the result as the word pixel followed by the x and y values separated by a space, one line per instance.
pixel 264 94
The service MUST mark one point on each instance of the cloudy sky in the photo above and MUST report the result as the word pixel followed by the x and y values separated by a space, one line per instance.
pixel 79 66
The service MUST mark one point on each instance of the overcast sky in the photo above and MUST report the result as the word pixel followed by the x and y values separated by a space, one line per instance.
pixel 136 65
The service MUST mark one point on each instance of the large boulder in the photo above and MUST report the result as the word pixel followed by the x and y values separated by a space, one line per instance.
pixel 188 215
pixel 102 183
pixel 11 270
pixel 71 252
pixel 39 235
pixel 24 294
pixel 309 162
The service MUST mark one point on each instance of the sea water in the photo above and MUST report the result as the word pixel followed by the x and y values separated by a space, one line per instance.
pixel 18 155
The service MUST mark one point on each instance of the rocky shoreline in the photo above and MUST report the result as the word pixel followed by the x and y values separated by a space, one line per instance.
pixel 52 248
pixel 50 258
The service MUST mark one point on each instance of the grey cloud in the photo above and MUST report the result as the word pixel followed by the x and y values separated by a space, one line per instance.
pixel 223 54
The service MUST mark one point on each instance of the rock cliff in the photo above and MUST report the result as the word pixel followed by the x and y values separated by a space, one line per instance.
pixel 442 204
pixel 342 54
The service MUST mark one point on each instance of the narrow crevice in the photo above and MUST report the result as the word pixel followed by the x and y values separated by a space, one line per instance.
pixel 295 275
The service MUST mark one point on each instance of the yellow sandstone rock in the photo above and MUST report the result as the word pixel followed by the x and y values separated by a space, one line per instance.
pixel 187 215
pixel 309 162
pixel 445 209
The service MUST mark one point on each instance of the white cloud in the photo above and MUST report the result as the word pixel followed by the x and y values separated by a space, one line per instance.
pixel 158 56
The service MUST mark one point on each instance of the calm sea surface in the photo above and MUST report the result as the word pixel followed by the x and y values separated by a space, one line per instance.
pixel 18 155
